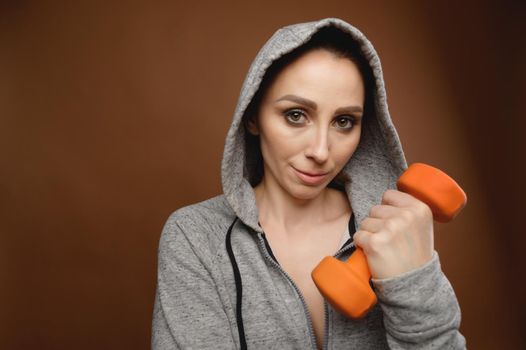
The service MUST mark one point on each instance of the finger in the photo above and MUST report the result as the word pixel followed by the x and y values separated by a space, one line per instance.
pixel 383 211
pixel 361 238
pixel 372 244
pixel 403 200
pixel 398 199
pixel 372 224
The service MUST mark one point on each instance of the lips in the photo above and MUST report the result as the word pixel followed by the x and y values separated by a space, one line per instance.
pixel 312 174
pixel 310 178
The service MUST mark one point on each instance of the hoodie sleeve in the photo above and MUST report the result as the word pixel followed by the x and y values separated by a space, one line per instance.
pixel 420 309
pixel 188 313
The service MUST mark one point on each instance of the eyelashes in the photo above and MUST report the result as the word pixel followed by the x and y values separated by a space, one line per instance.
pixel 295 116
pixel 344 122
pixel 298 117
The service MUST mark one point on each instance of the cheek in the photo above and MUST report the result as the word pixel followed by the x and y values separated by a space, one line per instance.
pixel 344 150
pixel 279 142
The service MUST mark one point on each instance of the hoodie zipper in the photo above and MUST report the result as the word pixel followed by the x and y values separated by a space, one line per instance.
pixel 263 247
pixel 344 249
pixel 278 266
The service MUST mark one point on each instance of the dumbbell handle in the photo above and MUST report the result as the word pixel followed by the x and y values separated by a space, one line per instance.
pixel 426 183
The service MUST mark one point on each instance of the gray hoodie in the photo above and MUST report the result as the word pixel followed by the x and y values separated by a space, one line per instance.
pixel 219 285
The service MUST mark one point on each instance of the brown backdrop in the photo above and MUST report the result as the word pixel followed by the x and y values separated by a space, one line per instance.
pixel 113 114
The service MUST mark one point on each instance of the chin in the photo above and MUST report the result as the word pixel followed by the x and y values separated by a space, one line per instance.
pixel 304 192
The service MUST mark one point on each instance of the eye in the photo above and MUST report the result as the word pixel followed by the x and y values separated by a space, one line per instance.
pixel 295 116
pixel 344 122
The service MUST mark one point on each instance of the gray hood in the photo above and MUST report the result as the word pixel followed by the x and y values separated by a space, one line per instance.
pixel 374 167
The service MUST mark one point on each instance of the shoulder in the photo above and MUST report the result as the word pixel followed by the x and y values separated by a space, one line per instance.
pixel 202 213
pixel 200 224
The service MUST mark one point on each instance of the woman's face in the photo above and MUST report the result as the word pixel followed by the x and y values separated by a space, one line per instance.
pixel 309 123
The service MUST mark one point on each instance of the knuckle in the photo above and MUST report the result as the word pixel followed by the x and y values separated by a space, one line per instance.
pixel 420 210
pixel 387 194
pixel 373 245
pixel 358 237
pixel 375 210
pixel 407 215
pixel 377 243
pixel 365 221
pixel 390 192
pixel 424 210
pixel 391 225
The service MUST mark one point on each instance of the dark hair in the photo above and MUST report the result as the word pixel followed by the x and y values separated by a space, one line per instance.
pixel 340 44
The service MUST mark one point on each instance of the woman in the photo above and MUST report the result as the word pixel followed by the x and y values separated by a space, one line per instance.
pixel 310 156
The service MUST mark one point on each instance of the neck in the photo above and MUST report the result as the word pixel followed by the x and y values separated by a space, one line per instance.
pixel 278 207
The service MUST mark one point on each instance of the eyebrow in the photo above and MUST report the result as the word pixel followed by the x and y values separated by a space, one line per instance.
pixel 312 105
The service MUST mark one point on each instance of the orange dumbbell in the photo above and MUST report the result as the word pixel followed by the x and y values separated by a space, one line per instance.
pixel 345 285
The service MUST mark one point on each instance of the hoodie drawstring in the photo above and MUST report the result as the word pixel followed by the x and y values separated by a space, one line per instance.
pixel 237 274
pixel 239 288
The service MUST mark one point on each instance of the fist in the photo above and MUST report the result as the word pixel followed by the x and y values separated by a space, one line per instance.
pixel 397 236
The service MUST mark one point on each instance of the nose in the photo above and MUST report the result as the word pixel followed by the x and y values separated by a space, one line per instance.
pixel 318 148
